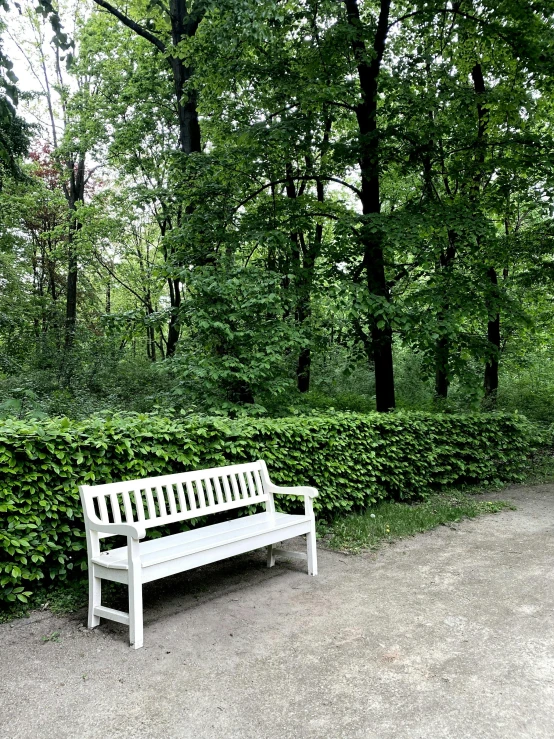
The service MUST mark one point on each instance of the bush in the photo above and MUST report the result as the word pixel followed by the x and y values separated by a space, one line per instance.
pixel 355 460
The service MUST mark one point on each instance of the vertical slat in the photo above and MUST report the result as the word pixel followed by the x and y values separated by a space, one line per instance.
pixel 116 513
pixel 171 499
pixel 218 493
pixel 161 500
pixel 103 508
pixel 139 505
pixel 226 489
pixel 251 485
pixel 243 487
pixel 127 507
pixel 259 485
pixel 200 491
pixel 236 493
pixel 150 503
pixel 190 496
pixel 181 496
pixel 208 486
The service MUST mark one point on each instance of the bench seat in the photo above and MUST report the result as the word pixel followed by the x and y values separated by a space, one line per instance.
pixel 219 535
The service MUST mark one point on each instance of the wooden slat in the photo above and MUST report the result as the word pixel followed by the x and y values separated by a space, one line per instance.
pixel 210 491
pixel 251 484
pixel 234 486
pixel 139 505
pixel 150 502
pixel 171 499
pixel 259 484
pixel 161 500
pixel 103 508
pixel 181 496
pixel 116 513
pixel 127 507
pixel 218 491
pixel 226 489
pixel 191 496
pixel 200 492
pixel 242 484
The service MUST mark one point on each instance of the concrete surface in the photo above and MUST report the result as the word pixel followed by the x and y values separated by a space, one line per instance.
pixel 448 634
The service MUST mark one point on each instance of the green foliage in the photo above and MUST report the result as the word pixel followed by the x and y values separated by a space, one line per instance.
pixel 529 388
pixel 231 312
pixel 391 520
pixel 354 460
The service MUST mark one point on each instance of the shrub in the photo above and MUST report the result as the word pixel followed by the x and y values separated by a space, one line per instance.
pixel 355 460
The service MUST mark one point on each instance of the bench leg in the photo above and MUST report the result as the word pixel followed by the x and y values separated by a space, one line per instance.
pixel 312 552
pixel 94 597
pixel 135 612
pixel 270 556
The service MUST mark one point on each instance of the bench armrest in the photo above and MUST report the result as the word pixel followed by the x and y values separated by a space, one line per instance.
pixel 123 529
pixel 304 490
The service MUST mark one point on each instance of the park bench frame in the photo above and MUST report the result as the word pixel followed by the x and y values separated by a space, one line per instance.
pixel 130 508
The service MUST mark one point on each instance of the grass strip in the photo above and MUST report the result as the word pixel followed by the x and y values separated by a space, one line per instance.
pixel 389 521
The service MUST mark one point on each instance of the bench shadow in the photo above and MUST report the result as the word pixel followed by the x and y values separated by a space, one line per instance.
pixel 163 599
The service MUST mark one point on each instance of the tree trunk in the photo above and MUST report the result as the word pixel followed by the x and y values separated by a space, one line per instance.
pixel 173 331
pixel 442 349
pixel 184 25
pixel 302 268
pixel 150 329
pixel 493 336
pixel 493 326
pixel 74 192
pixel 442 356
pixel 71 299
pixel 369 65
pixel 303 313
pixel 311 253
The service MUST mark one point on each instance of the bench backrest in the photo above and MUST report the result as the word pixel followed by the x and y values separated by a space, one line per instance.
pixel 157 501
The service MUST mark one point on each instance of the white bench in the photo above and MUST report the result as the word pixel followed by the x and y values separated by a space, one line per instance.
pixel 129 508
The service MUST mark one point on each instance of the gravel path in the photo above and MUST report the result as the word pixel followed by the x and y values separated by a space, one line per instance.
pixel 447 634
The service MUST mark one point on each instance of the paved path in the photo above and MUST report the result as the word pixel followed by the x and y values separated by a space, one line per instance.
pixel 447 634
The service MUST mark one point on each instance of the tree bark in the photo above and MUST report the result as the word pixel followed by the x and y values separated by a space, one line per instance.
pixel 304 307
pixel 493 336
pixel 184 25
pixel 442 349
pixel 311 253
pixel 74 193
pixel 369 66
pixel 493 325
pixel 174 329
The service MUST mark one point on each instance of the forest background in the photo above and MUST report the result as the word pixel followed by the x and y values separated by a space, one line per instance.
pixel 267 208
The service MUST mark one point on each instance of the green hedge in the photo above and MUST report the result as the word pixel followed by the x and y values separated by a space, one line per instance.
pixel 353 459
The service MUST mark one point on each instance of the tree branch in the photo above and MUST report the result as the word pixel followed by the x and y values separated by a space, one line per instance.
pixel 300 177
pixel 138 29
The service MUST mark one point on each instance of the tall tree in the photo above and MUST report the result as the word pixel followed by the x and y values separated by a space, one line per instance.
pixel 184 19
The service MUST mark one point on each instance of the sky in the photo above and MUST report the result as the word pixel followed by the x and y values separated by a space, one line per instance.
pixel 20 43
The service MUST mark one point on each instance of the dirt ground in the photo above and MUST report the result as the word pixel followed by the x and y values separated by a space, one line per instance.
pixel 449 634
